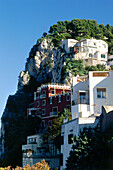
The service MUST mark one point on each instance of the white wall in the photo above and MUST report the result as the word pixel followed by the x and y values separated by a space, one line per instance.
pixel 74 127
pixel 68 43
pixel 100 82
pixel 71 127
pixel 91 86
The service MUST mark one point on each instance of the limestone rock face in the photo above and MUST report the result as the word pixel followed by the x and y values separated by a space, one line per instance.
pixel 23 79
pixel 44 63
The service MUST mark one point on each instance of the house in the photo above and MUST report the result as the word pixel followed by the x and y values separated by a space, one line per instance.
pixel 71 129
pixel 91 51
pixel 49 100
pixel 67 44
pixel 34 152
pixel 88 96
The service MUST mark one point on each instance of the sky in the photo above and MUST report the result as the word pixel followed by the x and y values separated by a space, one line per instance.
pixel 22 22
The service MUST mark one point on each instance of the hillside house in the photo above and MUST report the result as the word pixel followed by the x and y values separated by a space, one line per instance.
pixel 69 130
pixel 91 51
pixel 88 96
pixel 34 151
pixel 49 100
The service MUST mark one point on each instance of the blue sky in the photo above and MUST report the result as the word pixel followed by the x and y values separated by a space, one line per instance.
pixel 22 22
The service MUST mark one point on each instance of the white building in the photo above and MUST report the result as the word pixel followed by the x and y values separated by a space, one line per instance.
pixel 110 60
pixel 89 96
pixel 34 151
pixel 30 149
pixel 69 130
pixel 91 51
pixel 66 44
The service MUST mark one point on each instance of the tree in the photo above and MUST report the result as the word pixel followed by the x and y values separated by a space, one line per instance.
pixel 90 150
pixel 53 134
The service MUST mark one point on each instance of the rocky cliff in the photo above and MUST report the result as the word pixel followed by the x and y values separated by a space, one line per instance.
pixel 43 65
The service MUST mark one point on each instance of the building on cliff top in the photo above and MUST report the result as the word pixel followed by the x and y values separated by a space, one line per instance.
pixel 91 51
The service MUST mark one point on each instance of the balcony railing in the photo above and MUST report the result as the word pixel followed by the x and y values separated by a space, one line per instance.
pixel 39 155
pixel 53 113
pixel 80 101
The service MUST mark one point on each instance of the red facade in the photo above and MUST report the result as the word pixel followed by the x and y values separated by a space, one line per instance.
pixel 49 100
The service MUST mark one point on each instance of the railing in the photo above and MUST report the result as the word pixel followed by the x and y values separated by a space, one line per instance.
pixel 42 96
pixel 54 84
pixel 29 147
pixel 53 113
pixel 80 101
pixel 39 155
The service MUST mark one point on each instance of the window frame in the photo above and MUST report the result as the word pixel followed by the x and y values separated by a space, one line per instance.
pixel 70 136
pixel 101 92
pixel 43 123
pixel 49 122
pixel 67 97
pixel 44 111
pixel 38 103
pixel 43 93
pixel 62 140
pixel 43 104
pixel 50 100
pixel 53 92
pixel 59 99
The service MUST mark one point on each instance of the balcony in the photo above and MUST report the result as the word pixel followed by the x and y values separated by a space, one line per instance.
pixel 34 112
pixel 42 96
pixel 27 147
pixel 80 101
pixel 40 155
pixel 53 113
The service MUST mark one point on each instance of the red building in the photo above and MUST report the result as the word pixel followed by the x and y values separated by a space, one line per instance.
pixel 49 100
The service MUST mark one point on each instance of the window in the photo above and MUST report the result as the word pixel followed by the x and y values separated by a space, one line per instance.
pixel 101 93
pixel 70 136
pixel 104 45
pixel 32 140
pixel 43 123
pixel 59 99
pixel 38 111
pixel 37 95
pixel 43 102
pixel 90 55
pixel 52 91
pixel 61 159
pixel 55 110
pixel 82 95
pixel 62 140
pixel 43 93
pixel 68 107
pixel 103 56
pixel 38 103
pixel 51 101
pixel 68 98
pixel 50 123
pixel 43 111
